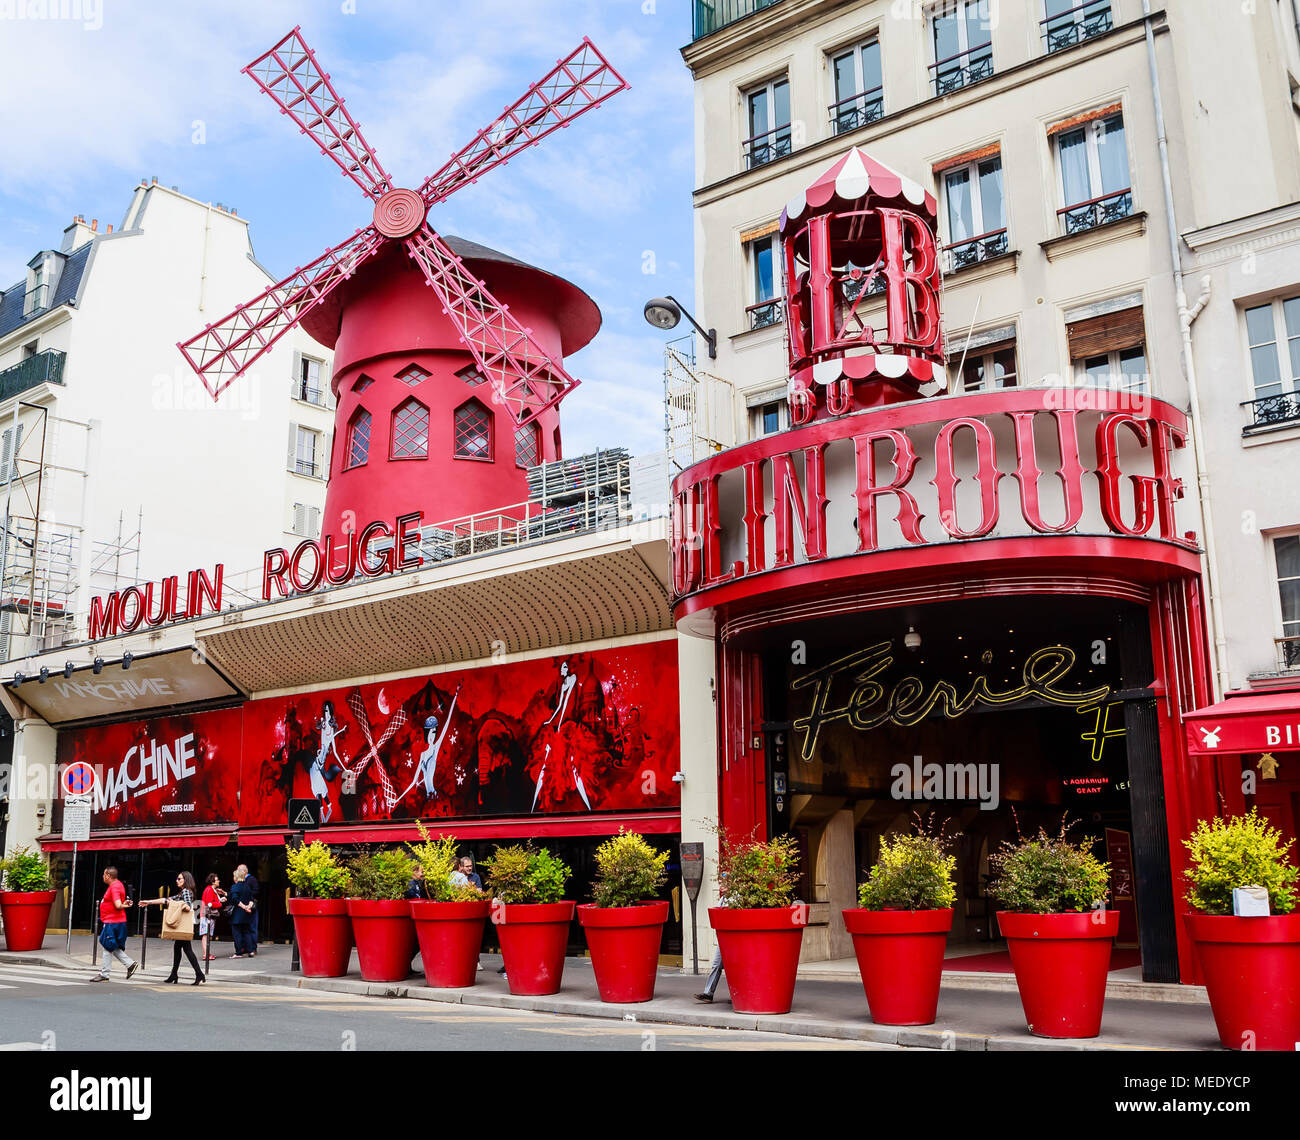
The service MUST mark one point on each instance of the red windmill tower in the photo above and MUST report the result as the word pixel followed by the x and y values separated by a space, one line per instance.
pixel 447 364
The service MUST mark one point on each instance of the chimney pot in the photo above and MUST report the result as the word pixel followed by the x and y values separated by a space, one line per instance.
pixel 110 227
pixel 94 224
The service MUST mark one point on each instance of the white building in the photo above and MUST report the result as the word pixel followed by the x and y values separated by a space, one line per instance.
pixel 116 436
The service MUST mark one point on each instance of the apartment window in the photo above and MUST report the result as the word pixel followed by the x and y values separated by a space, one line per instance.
pixel 473 431
pixel 304 451
pixel 1273 334
pixel 962 40
pixel 410 433
pixel 30 349
pixel 1095 184
pixel 528 445
pixel 306 520
pixel 309 380
pixel 1286 553
pixel 768 418
pixel 769 123
pixel 763 254
pixel 985 368
pixel 858 87
pixel 358 439
pixel 1069 22
pixel 977 217
pixel 1109 351
pixel 37 296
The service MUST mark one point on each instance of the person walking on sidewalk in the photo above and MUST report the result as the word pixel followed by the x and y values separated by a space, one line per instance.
pixel 184 895
pixel 715 967
pixel 112 932
pixel 243 927
pixel 214 898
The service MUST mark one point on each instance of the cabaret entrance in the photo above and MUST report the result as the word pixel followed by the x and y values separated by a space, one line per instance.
pixel 983 717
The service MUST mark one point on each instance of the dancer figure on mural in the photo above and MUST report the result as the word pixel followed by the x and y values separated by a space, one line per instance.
pixel 560 739
pixel 329 733
pixel 433 739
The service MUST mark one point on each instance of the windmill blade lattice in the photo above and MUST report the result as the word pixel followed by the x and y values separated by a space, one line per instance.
pixel 522 374
pixel 290 74
pixel 581 81
pixel 225 350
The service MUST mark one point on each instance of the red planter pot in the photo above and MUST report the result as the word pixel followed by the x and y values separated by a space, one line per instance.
pixel 760 954
pixel 1252 974
pixel 624 943
pixel 385 938
pixel 25 914
pixel 900 957
pixel 450 936
pixel 534 937
pixel 324 934
pixel 1060 962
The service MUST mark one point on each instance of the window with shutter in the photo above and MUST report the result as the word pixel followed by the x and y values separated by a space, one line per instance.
pixel 1109 351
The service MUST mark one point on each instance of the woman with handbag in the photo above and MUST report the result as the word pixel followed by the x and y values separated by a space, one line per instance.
pixel 178 925
pixel 242 928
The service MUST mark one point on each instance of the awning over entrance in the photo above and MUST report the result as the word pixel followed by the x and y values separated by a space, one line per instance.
pixel 127 840
pixel 1245 722
pixel 660 823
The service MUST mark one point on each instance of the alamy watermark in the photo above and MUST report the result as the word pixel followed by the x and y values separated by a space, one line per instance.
pixel 89 13
pixel 921 781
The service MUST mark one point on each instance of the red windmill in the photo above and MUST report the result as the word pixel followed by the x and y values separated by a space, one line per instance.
pixel 423 337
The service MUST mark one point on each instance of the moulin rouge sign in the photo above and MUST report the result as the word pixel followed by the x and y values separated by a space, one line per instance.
pixel 332 561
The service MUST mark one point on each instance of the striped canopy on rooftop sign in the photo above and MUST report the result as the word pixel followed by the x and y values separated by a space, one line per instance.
pixel 854 178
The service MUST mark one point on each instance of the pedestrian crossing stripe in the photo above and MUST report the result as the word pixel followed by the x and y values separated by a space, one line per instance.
pixel 36 977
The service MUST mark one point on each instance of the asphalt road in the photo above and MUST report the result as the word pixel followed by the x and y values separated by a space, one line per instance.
pixel 42 1007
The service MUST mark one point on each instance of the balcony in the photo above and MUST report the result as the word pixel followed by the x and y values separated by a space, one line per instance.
pixel 768 147
pixel 710 15
pixel 1271 411
pixel 764 314
pixel 963 254
pixel 857 111
pixel 1096 212
pixel 962 69
pixel 1288 654
pixel 43 368
pixel 1076 25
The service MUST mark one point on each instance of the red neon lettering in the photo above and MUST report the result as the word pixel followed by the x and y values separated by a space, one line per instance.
pixel 274 564
pixel 986 474
pixel 405 523
pixel 204 589
pixel 790 501
pixel 912 304
pixel 755 516
pixel 129 626
pixel 1108 471
pixel 104 615
pixel 868 490
pixel 333 575
pixel 712 530
pixel 295 564
pixel 1070 472
pixel 386 560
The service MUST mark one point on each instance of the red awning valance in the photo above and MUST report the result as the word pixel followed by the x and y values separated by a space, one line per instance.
pixel 657 823
pixel 1246 722
pixel 141 840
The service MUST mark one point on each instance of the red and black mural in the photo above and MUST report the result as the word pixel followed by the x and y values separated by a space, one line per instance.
pixel 581 732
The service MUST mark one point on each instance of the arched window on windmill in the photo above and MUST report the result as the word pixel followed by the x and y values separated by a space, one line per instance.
pixel 528 445
pixel 410 430
pixel 358 439
pixel 473 431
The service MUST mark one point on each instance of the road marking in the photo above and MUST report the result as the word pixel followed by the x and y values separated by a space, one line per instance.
pixel 36 977
pixel 454 1018
pixel 733 1042
pixel 21 1047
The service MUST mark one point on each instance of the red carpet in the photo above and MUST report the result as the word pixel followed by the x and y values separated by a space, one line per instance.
pixel 999 961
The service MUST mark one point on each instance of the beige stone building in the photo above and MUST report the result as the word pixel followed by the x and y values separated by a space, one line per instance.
pixel 1118 190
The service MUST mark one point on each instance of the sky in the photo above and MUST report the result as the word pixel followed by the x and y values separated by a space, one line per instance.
pixel 113 91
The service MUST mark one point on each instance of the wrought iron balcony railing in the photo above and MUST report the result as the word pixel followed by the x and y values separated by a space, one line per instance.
pixel 962 254
pixel 710 15
pixel 43 368
pixel 1288 653
pixel 962 69
pixel 765 313
pixel 310 395
pixel 1096 211
pixel 857 111
pixel 1076 25
pixel 768 147
pixel 1268 410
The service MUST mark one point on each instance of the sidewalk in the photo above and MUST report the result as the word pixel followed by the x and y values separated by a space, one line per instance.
pixel 972 1015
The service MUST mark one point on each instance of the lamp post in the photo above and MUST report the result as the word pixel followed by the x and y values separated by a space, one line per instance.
pixel 666 312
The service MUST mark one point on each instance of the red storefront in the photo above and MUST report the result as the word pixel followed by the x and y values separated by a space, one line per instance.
pixel 981 604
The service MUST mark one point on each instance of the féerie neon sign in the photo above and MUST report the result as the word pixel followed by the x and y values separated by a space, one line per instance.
pixel 870 704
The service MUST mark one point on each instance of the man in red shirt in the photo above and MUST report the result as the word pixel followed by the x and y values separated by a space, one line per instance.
pixel 112 932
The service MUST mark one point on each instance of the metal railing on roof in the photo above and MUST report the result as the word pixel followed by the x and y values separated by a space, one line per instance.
pixel 43 368
pixel 710 15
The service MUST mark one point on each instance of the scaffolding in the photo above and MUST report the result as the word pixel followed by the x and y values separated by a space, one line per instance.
pixel 699 410
pixel 44 561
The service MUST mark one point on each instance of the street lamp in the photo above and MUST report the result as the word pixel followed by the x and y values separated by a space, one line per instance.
pixel 666 312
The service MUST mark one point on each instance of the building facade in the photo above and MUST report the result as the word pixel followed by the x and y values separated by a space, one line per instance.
pixel 1102 253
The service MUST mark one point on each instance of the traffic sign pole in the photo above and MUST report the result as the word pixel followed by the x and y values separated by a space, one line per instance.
pixel 72 898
